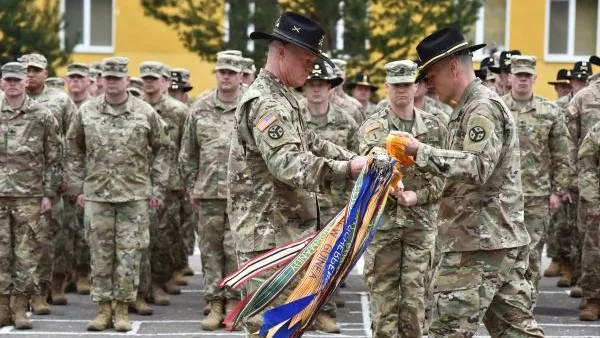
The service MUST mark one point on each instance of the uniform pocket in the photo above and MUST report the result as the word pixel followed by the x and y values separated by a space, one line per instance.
pixel 457 292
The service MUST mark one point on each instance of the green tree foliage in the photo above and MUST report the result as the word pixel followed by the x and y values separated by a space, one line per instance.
pixel 28 26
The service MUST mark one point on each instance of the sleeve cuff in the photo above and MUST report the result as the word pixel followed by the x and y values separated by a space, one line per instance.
pixel 340 169
pixel 422 196
pixel 423 154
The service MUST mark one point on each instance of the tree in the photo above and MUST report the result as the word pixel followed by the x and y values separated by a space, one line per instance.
pixel 28 26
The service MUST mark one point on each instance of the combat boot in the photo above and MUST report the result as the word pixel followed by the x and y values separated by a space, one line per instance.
pixel 325 323
pixel 122 323
pixel 180 278
pixel 57 291
pixel 5 316
pixel 158 296
pixel 214 320
pixel 582 304
pixel 82 283
pixel 230 304
pixel 171 287
pixel 576 291
pixel 591 311
pixel 566 274
pixel 141 307
pixel 103 318
pixel 187 271
pixel 39 303
pixel 21 305
pixel 206 309
pixel 554 270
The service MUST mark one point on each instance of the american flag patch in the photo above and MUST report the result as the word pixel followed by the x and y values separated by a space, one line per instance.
pixel 371 126
pixel 266 121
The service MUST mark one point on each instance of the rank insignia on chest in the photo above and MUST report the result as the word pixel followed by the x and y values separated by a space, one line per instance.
pixel 266 121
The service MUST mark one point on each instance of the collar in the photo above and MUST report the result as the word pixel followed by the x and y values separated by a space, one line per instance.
pixel 418 126
pixel 284 90
pixel 321 120
pixel 464 97
pixel 106 108
pixel 227 106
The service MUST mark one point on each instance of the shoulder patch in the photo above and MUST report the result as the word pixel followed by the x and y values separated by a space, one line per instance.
pixel 479 131
pixel 275 132
pixel 371 126
pixel 266 121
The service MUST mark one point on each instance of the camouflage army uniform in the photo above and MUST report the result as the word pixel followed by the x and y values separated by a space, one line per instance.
pixel 118 157
pixel 430 106
pixel 399 259
pixel 370 109
pixel 482 235
pixel 347 104
pixel 544 144
pixel 339 128
pixel 204 150
pixel 589 192
pixel 439 105
pixel 270 201
pixel 30 169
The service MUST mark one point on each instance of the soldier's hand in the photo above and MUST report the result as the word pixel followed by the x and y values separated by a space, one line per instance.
pixel 155 203
pixel 567 198
pixel 181 193
pixel 412 144
pixel 355 166
pixel 407 198
pixel 553 203
pixel 80 200
pixel 397 190
pixel 45 205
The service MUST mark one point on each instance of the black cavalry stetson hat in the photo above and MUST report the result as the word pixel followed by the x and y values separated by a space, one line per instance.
pixel 582 70
pixel 361 79
pixel 440 44
pixel 595 60
pixel 504 61
pixel 562 77
pixel 298 30
pixel 322 71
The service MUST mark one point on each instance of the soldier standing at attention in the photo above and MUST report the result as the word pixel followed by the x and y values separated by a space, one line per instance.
pixel 398 262
pixel 63 109
pixel 119 158
pixel 502 71
pixel 484 243
pixel 204 149
pixel 340 99
pixel 275 163
pixel 30 173
pixel 362 89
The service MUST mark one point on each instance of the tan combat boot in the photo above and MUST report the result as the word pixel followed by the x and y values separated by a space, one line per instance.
pixel 554 269
pixel 582 304
pixel 180 278
pixel 57 291
pixel 141 307
pixel 103 318
pixel 325 323
pixel 206 309
pixel 82 282
pixel 214 320
pixel 591 311
pixel 230 304
pixel 39 303
pixel 187 271
pixel 5 315
pixel 20 307
pixel 122 323
pixel 158 296
pixel 576 291
pixel 171 286
pixel 566 274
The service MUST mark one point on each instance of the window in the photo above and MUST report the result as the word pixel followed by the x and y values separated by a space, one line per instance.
pixel 492 27
pixel 89 24
pixel 571 29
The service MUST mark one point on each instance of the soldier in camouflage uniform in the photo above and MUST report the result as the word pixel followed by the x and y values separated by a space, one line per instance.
pixel 343 101
pixel 63 109
pixel 135 87
pixel 589 192
pixel 77 252
pixel 119 156
pixel 30 174
pixel 165 261
pixel 481 275
pixel 427 104
pixel 204 148
pixel 362 89
pixel 275 162
pixel 55 82
pixel 96 73
pixel 544 144
pixel 249 71
pixel 502 71
pixel 399 259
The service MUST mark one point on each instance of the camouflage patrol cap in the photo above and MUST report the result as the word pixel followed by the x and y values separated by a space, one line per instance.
pixel 135 86
pixel 96 69
pixel 55 82
pixel 115 66
pixel 404 71
pixel 185 73
pixel 248 66
pixel 151 69
pixel 230 52
pixel 34 60
pixel 522 64
pixel 14 70
pixel 340 66
pixel 230 62
pixel 78 68
pixel 166 72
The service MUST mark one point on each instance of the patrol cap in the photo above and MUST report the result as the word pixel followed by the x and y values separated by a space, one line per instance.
pixel 166 72
pixel 55 82
pixel 151 69
pixel 233 52
pixel 248 66
pixel 78 68
pixel 562 77
pixel 404 71
pixel 340 66
pixel 14 70
pixel 115 66
pixel 522 64
pixel 135 86
pixel 229 62
pixel 34 60
pixel 96 69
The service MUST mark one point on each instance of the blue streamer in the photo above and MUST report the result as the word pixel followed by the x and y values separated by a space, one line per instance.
pixel 284 312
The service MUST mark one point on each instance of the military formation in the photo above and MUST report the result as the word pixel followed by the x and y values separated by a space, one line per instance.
pixel 107 180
